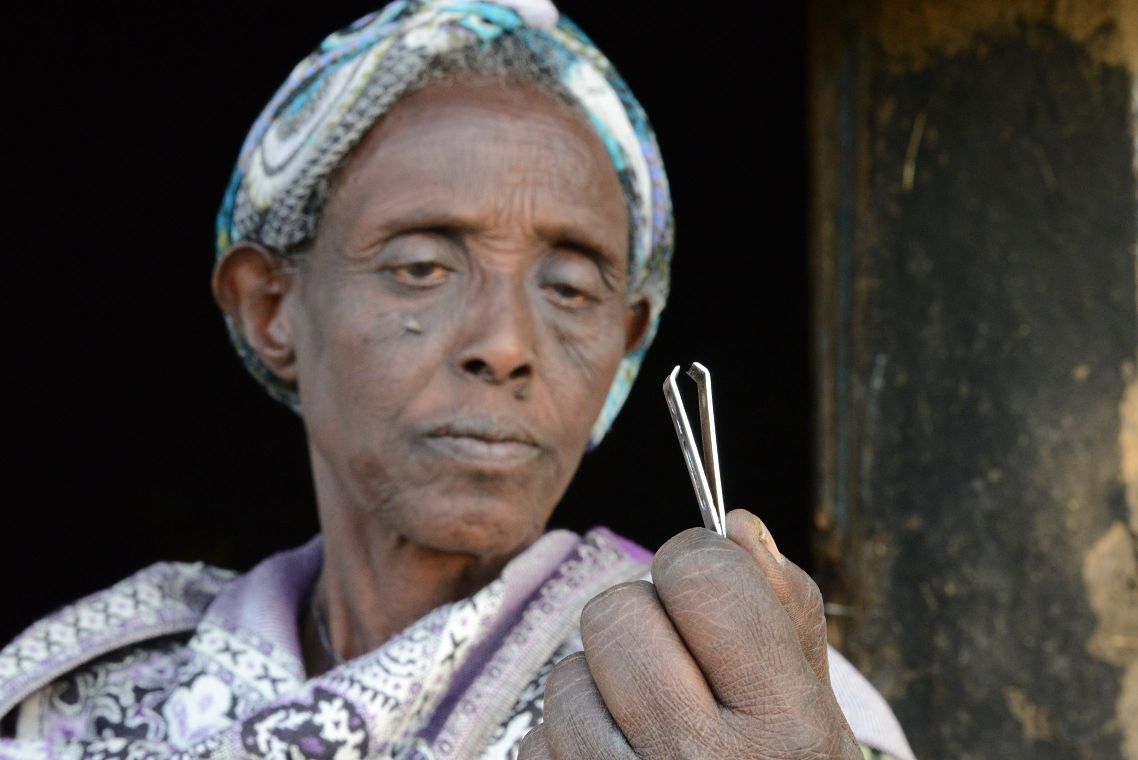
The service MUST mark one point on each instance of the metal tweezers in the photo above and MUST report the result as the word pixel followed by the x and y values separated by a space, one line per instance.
pixel 704 476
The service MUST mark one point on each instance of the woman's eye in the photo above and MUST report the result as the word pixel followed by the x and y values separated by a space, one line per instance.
pixel 573 280
pixel 569 295
pixel 419 274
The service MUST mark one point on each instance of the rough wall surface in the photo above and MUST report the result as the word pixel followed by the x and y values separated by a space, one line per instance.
pixel 976 227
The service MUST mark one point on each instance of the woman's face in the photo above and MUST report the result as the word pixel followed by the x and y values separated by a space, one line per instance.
pixel 461 315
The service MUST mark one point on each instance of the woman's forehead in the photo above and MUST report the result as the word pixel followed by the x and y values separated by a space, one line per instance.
pixel 466 152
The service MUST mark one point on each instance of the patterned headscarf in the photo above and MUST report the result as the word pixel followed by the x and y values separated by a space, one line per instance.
pixel 338 92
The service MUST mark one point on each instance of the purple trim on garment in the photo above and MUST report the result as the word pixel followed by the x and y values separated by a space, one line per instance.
pixel 267 601
pixel 635 551
pixel 264 606
pixel 598 561
pixel 551 550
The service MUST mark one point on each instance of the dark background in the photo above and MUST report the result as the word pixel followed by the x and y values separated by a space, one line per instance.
pixel 134 433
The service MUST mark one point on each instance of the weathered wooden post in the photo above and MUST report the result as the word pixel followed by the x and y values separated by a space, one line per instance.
pixel 975 225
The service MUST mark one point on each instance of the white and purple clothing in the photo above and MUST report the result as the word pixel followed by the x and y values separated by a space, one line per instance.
pixel 187 661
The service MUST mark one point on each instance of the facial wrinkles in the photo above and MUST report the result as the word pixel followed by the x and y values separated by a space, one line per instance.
pixel 507 256
pixel 508 232
pixel 507 195
pixel 453 177
pixel 342 322
pixel 508 305
pixel 541 190
pixel 387 386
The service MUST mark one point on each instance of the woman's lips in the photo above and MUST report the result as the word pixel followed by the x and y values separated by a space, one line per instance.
pixel 481 451
pixel 495 443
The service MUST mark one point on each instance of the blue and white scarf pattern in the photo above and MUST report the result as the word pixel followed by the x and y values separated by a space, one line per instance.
pixel 338 92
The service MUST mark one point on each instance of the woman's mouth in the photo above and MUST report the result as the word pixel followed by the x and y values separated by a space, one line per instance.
pixel 485 442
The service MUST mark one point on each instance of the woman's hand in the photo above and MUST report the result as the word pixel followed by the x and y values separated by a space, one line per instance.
pixel 724 656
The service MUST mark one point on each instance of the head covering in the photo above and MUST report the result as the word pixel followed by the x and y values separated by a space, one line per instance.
pixel 337 93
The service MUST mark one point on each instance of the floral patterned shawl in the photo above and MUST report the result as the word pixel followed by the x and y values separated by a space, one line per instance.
pixel 185 661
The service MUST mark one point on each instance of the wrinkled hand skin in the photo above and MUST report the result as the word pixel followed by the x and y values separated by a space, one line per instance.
pixel 723 656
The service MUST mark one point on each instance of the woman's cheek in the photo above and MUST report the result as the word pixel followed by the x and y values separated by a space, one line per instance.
pixel 593 341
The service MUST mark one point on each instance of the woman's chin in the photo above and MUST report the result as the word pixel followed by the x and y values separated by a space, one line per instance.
pixel 489 531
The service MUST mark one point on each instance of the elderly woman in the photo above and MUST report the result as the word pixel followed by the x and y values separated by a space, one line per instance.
pixel 446 246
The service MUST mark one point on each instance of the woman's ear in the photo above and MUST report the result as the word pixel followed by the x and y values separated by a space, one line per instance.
pixel 250 283
pixel 635 323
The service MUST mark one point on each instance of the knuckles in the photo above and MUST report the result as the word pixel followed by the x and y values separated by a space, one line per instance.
pixel 569 682
pixel 533 746
pixel 697 561
pixel 700 570
pixel 786 714
pixel 698 553
pixel 618 609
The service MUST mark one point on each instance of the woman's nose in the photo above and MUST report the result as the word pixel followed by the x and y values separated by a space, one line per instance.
pixel 499 345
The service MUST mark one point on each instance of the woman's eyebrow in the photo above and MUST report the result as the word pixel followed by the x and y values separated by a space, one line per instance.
pixel 426 219
pixel 575 235
pixel 419 215
pixel 606 260
pixel 578 238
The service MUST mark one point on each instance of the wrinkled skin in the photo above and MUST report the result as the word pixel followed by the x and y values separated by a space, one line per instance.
pixel 492 220
pixel 723 656
pixel 453 332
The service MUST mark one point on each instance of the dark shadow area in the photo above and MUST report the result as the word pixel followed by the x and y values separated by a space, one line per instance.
pixel 1003 323
pixel 138 436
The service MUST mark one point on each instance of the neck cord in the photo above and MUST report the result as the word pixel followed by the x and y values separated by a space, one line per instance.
pixel 322 632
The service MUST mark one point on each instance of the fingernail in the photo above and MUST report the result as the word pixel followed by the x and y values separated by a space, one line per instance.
pixel 764 537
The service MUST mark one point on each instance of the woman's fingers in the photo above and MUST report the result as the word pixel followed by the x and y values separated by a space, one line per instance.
pixel 577 723
pixel 724 656
pixel 707 662
pixel 795 590
pixel 534 746
pixel 719 599
pixel 644 673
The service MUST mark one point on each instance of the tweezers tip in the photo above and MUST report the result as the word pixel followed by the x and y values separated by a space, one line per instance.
pixel 697 371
